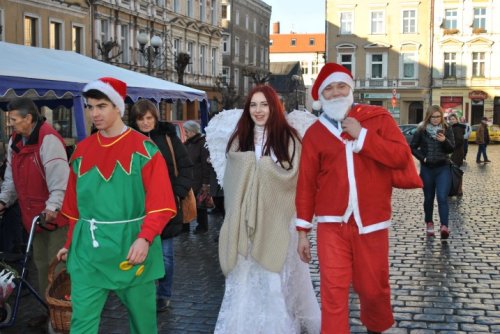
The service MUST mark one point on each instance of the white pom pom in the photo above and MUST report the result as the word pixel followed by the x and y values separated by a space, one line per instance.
pixel 316 105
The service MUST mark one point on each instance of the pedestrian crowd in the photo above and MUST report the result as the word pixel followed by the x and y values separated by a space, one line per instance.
pixel 111 210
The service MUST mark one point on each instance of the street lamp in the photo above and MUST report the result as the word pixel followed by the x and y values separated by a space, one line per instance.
pixel 296 78
pixel 151 51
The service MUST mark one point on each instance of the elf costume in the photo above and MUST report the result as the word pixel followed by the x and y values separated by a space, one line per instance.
pixel 118 191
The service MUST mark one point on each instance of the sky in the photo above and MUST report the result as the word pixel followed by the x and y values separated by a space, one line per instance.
pixel 300 16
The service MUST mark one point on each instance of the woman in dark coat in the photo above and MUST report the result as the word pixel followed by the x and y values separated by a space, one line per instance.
pixel 458 133
pixel 198 153
pixel 144 118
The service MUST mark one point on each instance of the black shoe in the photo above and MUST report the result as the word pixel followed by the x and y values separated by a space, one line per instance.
pixel 200 230
pixel 478 161
pixel 162 304
pixel 486 161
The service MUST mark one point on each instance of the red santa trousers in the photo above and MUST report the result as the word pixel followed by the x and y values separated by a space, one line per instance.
pixel 345 256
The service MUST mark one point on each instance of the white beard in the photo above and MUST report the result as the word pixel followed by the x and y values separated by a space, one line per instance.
pixel 337 108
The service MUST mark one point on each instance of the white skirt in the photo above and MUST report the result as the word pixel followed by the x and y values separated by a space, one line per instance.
pixel 260 301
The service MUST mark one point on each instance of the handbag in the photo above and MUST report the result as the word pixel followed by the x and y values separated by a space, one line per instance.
pixel 204 200
pixel 187 204
pixel 456 180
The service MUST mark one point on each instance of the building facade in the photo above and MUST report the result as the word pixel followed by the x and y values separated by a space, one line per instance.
pixel 465 44
pixel 178 26
pixel 308 49
pixel 386 47
pixel 61 25
pixel 245 47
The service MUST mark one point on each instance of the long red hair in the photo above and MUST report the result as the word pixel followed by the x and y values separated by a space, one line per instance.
pixel 279 132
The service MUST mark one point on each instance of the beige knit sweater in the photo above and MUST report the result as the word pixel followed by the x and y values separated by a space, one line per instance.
pixel 260 204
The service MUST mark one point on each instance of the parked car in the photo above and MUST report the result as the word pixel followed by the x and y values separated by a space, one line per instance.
pixel 494 133
pixel 408 131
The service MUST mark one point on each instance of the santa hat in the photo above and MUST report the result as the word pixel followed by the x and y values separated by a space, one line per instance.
pixel 331 72
pixel 114 89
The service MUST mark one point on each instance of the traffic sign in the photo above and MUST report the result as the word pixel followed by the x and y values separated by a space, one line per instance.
pixel 394 92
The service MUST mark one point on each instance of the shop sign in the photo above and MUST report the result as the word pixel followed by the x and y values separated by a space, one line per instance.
pixel 379 96
pixel 478 95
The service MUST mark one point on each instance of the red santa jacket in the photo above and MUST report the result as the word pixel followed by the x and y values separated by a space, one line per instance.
pixel 340 177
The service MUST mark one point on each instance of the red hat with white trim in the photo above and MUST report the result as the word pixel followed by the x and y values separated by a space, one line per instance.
pixel 331 72
pixel 114 89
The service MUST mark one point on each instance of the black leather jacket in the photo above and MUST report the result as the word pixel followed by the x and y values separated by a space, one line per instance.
pixel 435 153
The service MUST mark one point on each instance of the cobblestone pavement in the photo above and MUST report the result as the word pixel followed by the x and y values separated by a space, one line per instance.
pixel 437 287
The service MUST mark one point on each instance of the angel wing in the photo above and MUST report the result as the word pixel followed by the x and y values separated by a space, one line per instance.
pixel 221 127
pixel 301 120
pixel 218 131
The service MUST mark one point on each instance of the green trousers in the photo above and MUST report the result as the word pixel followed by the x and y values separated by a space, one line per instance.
pixel 45 247
pixel 88 302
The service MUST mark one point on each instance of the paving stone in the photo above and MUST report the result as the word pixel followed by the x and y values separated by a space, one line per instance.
pixel 437 286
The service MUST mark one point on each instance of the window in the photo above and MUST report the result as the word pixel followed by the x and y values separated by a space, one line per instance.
pixel 254 25
pixel 1 25
pixel 160 3
pixel 261 59
pixel 346 61
pixel 236 46
pixel 478 64
pixel 213 61
pixel 479 18
pixel 254 59
pixel 175 49
pixel 450 18
pixel 236 78
pixel 177 6
pixel 314 67
pixel 125 43
pixel 237 17
pixel 450 64
pixel 409 65
pixel 312 41
pixel 304 65
pixel 409 21
pixel 247 51
pixel 77 39
pixel 104 31
pixel 225 75
pixel 30 31
pixel 55 35
pixel 224 12
pixel 189 68
pixel 377 65
pixel 190 8
pixel 213 12
pixel 293 42
pixel 246 22
pixel 202 59
pixel 203 14
pixel 225 44
pixel 377 22
pixel 346 23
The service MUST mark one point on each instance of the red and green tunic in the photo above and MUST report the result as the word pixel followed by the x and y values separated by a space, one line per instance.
pixel 118 191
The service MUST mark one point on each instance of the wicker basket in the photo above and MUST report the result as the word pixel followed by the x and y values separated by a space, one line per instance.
pixel 60 309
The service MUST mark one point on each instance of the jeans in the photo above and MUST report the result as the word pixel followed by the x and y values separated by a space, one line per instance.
pixel 437 181
pixel 481 149
pixel 165 284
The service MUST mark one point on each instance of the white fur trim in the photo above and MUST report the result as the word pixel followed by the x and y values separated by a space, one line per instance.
pixel 358 143
pixel 316 105
pixel 336 77
pixel 109 91
pixel 303 223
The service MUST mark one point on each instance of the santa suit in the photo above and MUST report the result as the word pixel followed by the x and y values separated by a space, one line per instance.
pixel 347 185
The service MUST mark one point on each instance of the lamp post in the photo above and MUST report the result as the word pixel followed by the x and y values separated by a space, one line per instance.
pixel 151 51
pixel 296 79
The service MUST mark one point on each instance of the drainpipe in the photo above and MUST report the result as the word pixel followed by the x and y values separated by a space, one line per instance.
pixel 431 53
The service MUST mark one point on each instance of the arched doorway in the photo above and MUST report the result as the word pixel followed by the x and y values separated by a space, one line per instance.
pixel 415 112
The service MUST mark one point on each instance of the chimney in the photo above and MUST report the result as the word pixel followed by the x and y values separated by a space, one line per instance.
pixel 276 27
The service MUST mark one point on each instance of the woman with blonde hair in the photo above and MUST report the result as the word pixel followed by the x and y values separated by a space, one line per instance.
pixel 431 145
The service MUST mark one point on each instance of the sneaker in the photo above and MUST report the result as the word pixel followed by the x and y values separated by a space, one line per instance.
pixel 430 229
pixel 445 233
pixel 162 304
